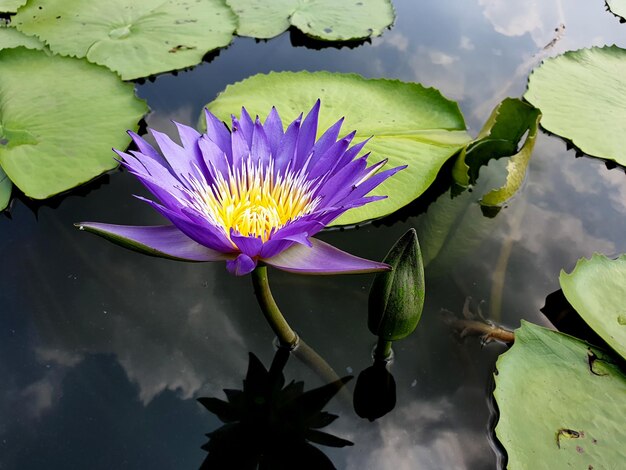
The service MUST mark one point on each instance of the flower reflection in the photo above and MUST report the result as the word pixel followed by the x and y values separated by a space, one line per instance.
pixel 270 425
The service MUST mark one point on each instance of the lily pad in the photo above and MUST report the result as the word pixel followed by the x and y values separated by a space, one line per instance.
pixel 10 6
pixel 501 137
pixel 617 7
pixel 582 96
pixel 5 190
pixel 327 20
pixel 59 118
pixel 410 124
pixel 561 403
pixel 11 37
pixel 132 37
pixel 595 288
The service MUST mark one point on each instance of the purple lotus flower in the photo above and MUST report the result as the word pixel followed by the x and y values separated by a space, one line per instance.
pixel 253 195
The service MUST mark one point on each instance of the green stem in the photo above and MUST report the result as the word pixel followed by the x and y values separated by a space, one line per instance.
pixel 383 349
pixel 274 317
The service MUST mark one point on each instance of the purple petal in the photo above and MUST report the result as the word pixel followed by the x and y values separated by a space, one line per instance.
pixel 179 159
pixel 214 157
pixel 339 185
pixel 287 146
pixel 195 228
pixel 241 265
pixel 245 125
pixel 248 245
pixel 322 258
pixel 326 141
pixel 327 162
pixel 146 149
pixel 217 131
pixel 260 149
pixel 273 130
pixel 240 147
pixel 370 183
pixel 306 138
pixel 164 241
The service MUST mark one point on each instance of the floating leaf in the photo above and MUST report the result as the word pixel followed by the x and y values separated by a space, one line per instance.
pixel 410 124
pixel 582 96
pixel 134 38
pixel 11 37
pixel 10 6
pixel 561 403
pixel 327 20
pixel 59 118
pixel 500 137
pixel 617 7
pixel 5 190
pixel 595 288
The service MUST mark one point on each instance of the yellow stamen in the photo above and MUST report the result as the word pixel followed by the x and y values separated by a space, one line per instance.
pixel 252 201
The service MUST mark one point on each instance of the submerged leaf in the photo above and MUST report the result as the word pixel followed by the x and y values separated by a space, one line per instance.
pixel 500 137
pixel 59 119
pixel 561 403
pixel 134 38
pixel 5 190
pixel 410 124
pixel 582 96
pixel 595 288
pixel 327 20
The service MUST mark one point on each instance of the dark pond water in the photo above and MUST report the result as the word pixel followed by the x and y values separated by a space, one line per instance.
pixel 103 352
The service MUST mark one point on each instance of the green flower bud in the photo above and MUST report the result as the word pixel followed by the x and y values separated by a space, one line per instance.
pixel 397 297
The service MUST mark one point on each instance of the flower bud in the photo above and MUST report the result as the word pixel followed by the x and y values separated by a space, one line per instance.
pixel 397 297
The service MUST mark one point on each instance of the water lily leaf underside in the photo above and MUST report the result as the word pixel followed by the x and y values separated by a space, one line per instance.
pixel 135 38
pixel 561 403
pixel 59 118
pixel 595 288
pixel 327 20
pixel 5 190
pixel 410 124
pixel 582 96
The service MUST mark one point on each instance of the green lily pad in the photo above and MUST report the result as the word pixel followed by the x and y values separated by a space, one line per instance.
pixel 500 137
pixel 582 96
pixel 11 37
pixel 410 124
pixel 10 6
pixel 327 20
pixel 595 288
pixel 5 190
pixel 617 7
pixel 59 118
pixel 561 403
pixel 132 37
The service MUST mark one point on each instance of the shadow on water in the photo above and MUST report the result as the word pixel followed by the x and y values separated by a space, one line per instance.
pixel 271 425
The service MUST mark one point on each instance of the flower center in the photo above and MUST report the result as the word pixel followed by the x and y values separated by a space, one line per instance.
pixel 253 201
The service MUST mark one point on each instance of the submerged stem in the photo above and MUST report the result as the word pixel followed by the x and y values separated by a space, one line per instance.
pixel 272 313
pixel 383 349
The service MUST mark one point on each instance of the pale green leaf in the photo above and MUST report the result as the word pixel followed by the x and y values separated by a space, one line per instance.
pixel 59 118
pixel 411 125
pixel 561 403
pixel 135 38
pixel 582 96
pixel 617 7
pixel 5 190
pixel 595 288
pixel 11 37
pixel 327 20
pixel 10 6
